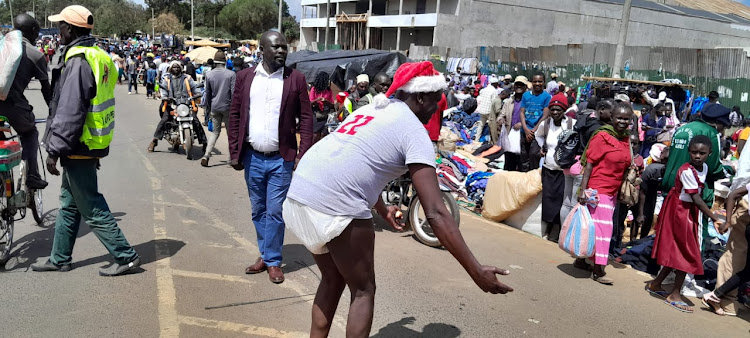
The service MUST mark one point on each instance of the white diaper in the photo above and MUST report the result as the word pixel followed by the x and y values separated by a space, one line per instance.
pixel 314 228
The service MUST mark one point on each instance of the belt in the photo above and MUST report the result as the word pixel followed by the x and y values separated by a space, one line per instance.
pixel 266 154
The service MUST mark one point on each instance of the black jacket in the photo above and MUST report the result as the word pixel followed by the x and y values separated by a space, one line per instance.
pixel 74 87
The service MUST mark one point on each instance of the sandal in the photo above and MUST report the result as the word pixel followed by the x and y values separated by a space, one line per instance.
pixel 680 306
pixel 658 293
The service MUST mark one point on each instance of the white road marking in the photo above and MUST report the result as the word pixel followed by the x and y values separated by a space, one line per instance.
pixel 169 325
pixel 208 275
pixel 236 327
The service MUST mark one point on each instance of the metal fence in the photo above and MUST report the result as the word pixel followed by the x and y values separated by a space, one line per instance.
pixel 726 70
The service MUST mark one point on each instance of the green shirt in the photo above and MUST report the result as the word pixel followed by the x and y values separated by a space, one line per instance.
pixel 679 155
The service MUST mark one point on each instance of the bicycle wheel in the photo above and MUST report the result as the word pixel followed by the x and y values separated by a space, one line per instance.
pixel 6 239
pixel 21 189
pixel 36 205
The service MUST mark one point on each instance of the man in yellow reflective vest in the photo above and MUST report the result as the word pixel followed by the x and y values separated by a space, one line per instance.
pixel 79 130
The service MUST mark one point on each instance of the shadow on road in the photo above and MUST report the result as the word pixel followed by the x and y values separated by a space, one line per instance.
pixel 574 272
pixel 297 257
pixel 432 330
pixel 146 250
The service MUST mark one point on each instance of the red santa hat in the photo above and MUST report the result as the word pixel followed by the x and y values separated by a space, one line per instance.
pixel 416 77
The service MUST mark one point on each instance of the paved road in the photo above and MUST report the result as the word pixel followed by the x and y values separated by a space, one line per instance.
pixel 192 227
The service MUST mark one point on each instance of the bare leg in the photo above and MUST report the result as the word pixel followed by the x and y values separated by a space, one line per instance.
pixel 675 295
pixel 327 298
pixel 656 283
pixel 353 253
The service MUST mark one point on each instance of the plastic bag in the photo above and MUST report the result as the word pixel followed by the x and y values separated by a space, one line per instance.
pixel 210 124
pixel 578 233
pixel 514 141
pixel 502 139
pixel 11 51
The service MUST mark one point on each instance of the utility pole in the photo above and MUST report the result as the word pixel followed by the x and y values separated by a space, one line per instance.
pixel 10 9
pixel 153 25
pixel 214 26
pixel 281 5
pixel 192 21
pixel 623 37
pixel 328 22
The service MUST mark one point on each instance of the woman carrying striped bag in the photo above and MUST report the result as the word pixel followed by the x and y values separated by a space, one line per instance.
pixel 606 158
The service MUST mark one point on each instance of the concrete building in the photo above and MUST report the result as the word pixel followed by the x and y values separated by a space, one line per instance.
pixel 462 24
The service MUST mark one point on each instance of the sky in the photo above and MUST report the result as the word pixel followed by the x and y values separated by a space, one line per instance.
pixel 295 9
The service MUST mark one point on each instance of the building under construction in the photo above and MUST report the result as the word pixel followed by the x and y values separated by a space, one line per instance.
pixel 462 24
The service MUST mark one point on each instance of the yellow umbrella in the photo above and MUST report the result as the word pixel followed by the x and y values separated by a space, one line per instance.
pixel 202 54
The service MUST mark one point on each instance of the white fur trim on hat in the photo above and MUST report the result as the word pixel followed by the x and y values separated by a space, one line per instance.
pixel 380 101
pixel 424 84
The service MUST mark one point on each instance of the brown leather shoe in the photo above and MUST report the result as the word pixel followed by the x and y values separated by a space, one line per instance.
pixel 258 267
pixel 275 274
pixel 151 146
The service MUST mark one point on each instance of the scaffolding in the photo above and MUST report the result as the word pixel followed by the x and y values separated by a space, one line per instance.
pixel 352 31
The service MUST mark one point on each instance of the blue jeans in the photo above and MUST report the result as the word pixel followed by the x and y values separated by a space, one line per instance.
pixel 268 180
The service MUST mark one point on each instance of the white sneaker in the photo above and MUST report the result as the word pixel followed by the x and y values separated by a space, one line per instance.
pixel 129 93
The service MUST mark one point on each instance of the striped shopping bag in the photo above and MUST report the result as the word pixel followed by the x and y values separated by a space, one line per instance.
pixel 578 233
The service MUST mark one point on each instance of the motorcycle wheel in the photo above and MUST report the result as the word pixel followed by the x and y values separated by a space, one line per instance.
pixel 188 134
pixel 422 230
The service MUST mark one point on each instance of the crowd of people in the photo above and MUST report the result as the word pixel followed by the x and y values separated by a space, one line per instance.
pixel 590 147
pixel 587 149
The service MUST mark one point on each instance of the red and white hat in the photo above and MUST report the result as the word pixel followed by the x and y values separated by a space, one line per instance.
pixel 417 77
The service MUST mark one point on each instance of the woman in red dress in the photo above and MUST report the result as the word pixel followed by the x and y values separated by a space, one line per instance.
pixel 677 245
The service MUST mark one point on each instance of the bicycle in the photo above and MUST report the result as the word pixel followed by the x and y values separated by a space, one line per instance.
pixel 15 200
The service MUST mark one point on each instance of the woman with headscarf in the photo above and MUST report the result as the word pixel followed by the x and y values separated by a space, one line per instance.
pixel 605 160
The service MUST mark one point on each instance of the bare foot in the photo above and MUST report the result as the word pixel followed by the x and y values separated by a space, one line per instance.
pixel 655 288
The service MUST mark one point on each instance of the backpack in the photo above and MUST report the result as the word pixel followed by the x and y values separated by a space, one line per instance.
pixel 568 144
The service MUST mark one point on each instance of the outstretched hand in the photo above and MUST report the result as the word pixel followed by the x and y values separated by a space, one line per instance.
pixel 392 215
pixel 486 280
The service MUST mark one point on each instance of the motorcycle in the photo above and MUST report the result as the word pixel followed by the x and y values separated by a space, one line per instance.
pixel 401 193
pixel 182 128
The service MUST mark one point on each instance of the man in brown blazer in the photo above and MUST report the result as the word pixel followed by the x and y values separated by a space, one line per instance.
pixel 267 101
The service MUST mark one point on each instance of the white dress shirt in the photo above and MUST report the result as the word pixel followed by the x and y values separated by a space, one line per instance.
pixel 265 108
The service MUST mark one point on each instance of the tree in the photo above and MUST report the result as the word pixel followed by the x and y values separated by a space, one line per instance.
pixel 168 23
pixel 249 18
pixel 206 32
pixel 290 27
pixel 116 17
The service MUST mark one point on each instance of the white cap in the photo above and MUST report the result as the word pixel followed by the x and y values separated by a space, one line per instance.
pixel 363 78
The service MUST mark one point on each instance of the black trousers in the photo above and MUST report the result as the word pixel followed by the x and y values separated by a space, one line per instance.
pixel 512 162
pixel 530 154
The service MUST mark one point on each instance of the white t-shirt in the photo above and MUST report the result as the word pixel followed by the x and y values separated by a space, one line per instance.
pixel 344 173
pixel 552 138
pixel 689 184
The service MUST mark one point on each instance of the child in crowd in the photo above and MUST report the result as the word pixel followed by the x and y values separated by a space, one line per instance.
pixel 677 246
